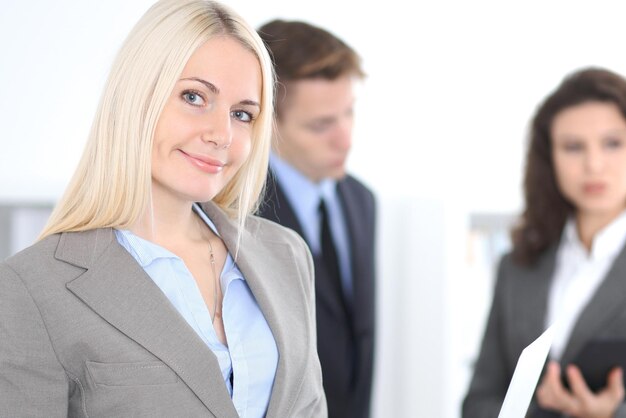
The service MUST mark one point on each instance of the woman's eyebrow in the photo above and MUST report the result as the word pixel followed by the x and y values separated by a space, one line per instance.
pixel 250 103
pixel 208 84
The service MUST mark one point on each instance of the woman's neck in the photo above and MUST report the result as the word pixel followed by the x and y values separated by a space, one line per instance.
pixel 589 224
pixel 168 221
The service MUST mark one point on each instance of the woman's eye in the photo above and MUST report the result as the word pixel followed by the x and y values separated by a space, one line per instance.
pixel 572 146
pixel 193 98
pixel 613 143
pixel 242 115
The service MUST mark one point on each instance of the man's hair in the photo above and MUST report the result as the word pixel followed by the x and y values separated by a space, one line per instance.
pixel 303 51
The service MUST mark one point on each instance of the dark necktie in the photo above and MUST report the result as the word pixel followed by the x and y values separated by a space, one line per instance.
pixel 331 261
pixel 329 253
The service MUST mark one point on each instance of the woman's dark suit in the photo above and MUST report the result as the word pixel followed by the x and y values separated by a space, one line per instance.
pixel 517 318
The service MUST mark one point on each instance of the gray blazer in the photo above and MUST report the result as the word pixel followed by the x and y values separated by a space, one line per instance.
pixel 517 318
pixel 84 332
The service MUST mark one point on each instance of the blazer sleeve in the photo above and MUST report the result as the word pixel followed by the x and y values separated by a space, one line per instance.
pixel 32 381
pixel 491 375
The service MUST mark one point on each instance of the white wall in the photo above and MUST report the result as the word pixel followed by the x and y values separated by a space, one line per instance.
pixel 451 83
pixel 440 134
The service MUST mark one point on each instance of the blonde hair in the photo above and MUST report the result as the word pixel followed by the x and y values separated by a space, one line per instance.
pixel 112 183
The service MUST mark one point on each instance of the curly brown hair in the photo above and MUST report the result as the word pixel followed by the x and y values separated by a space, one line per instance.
pixel 547 209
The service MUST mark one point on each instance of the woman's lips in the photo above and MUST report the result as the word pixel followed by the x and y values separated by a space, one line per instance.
pixel 594 188
pixel 204 163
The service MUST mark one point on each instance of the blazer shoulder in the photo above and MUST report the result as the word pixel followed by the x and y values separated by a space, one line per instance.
pixel 37 268
pixel 511 271
pixel 506 261
pixel 272 231
pixel 356 186
pixel 41 252
pixel 59 257
pixel 358 198
pixel 508 269
pixel 269 231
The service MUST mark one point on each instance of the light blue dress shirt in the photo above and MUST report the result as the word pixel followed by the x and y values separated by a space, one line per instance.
pixel 251 354
pixel 304 197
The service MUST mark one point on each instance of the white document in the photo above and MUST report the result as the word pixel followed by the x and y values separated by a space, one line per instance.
pixel 526 376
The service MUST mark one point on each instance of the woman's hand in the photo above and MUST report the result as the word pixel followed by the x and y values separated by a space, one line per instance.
pixel 580 402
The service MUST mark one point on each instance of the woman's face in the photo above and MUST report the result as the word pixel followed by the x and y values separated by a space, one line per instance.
pixel 204 133
pixel 589 155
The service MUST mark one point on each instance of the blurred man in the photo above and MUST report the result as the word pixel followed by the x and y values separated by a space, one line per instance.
pixel 309 191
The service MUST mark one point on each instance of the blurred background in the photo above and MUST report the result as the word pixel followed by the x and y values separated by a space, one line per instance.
pixel 440 137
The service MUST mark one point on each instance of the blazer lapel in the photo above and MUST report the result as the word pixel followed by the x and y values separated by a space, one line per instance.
pixel 271 272
pixel 603 306
pixel 361 259
pixel 276 207
pixel 118 290
pixel 530 298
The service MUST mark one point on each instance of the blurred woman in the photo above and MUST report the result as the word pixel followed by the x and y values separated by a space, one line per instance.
pixel 139 301
pixel 568 261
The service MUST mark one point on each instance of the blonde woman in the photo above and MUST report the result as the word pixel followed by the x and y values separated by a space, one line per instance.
pixel 138 301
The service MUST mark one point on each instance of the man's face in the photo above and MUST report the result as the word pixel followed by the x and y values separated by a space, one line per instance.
pixel 315 126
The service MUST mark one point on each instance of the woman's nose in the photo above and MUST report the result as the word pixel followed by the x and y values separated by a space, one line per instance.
pixel 594 160
pixel 218 129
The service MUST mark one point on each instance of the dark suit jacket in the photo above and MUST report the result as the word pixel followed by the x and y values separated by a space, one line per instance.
pixel 84 331
pixel 517 318
pixel 345 338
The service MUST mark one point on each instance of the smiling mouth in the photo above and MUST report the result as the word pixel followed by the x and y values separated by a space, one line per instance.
pixel 204 163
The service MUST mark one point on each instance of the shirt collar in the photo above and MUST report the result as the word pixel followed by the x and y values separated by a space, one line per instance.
pixel 205 218
pixel 607 242
pixel 145 252
pixel 302 193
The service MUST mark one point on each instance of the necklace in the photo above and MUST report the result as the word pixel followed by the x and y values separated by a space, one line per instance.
pixel 215 311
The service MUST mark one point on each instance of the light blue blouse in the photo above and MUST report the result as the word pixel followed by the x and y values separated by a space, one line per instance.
pixel 251 355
